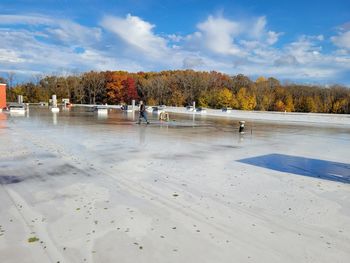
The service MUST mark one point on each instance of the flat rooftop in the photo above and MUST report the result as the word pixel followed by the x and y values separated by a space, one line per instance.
pixel 76 186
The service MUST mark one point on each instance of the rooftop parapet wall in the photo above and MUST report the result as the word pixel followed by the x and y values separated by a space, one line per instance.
pixel 2 96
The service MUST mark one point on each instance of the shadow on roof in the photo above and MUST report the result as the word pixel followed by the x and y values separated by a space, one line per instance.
pixel 327 170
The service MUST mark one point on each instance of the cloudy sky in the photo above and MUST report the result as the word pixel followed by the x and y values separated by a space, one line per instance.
pixel 304 41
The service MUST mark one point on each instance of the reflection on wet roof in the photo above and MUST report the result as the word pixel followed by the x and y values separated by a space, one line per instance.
pixel 328 170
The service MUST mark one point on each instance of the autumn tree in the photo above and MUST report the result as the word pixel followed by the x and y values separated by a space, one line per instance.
pixel 279 106
pixel 225 98
pixel 241 81
pixel 260 80
pixel 177 98
pixel 309 105
pixel 205 99
pixel 289 105
pixel 246 101
pixel 129 90
pixel 182 87
pixel 114 86
pixel 94 84
pixel 340 106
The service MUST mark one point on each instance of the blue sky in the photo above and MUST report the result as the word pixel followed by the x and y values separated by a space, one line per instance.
pixel 301 41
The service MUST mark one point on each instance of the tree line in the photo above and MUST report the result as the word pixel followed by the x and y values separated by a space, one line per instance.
pixel 181 88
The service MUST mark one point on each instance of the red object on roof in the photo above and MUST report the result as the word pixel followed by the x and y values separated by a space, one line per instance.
pixel 2 96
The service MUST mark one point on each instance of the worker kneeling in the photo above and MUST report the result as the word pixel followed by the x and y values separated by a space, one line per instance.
pixel 164 116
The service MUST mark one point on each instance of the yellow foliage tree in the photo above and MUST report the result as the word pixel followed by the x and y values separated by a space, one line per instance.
pixel 279 106
pixel 204 100
pixel 339 106
pixel 310 105
pixel 225 98
pixel 246 101
pixel 289 104
pixel 260 79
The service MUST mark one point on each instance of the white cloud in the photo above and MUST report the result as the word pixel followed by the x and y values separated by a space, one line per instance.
pixel 227 37
pixel 344 27
pixel 342 52
pixel 38 43
pixel 70 32
pixel 175 37
pixel 305 50
pixel 9 56
pixel 258 28
pixel 137 33
pixel 22 52
pixel 342 40
pixel 192 62
pixel 272 37
pixel 286 60
pixel 218 35
pixel 320 37
pixel 25 20
pixel 300 72
pixel 55 29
